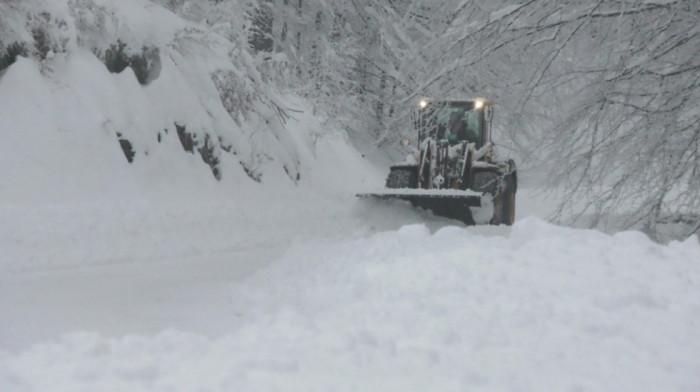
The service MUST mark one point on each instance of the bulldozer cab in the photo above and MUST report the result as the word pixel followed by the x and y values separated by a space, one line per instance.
pixel 454 121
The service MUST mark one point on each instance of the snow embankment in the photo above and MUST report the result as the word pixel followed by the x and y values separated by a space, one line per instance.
pixel 136 103
pixel 544 308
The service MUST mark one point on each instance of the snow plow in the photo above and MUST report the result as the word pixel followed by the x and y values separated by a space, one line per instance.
pixel 453 171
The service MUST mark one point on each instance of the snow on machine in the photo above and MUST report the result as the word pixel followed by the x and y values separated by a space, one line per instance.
pixel 453 171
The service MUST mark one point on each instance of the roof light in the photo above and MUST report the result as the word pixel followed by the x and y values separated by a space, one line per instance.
pixel 478 104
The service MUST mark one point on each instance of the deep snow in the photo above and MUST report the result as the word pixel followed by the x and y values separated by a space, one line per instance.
pixel 535 307
pixel 155 276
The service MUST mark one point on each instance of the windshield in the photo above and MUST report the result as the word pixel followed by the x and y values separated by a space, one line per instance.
pixel 453 122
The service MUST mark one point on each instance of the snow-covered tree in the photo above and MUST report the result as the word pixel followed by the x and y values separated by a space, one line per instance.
pixel 603 95
pixel 624 79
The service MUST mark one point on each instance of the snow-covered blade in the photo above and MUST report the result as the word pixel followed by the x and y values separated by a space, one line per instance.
pixel 449 203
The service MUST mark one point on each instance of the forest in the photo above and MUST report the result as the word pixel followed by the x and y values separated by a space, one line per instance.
pixel 598 99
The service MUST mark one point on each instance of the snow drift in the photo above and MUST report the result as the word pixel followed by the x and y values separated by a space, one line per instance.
pixel 543 308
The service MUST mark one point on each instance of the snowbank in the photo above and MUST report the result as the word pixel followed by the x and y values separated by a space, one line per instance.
pixel 543 308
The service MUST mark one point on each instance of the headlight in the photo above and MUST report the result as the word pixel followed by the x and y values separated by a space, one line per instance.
pixel 478 104
pixel 423 103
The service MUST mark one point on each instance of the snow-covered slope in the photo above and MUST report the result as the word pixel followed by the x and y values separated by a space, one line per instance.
pixel 76 127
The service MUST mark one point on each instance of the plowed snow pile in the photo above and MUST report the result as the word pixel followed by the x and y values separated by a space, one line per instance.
pixel 539 308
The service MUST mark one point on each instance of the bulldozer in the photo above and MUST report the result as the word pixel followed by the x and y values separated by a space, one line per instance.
pixel 453 170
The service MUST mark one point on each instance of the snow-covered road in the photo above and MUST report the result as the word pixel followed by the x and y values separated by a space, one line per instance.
pixel 191 293
pixel 337 294
pixel 140 267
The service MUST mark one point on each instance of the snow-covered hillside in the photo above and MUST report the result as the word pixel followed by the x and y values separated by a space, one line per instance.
pixel 190 102
pixel 192 228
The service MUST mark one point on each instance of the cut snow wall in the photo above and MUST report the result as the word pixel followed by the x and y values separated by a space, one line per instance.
pixel 145 83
